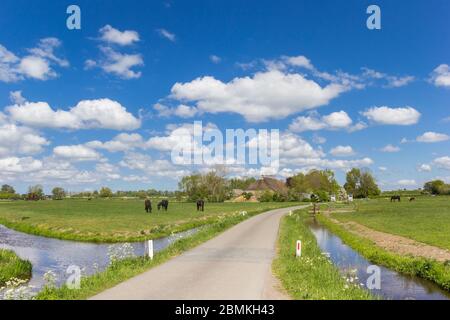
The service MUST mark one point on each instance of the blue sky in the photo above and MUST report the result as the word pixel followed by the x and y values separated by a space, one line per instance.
pixel 99 106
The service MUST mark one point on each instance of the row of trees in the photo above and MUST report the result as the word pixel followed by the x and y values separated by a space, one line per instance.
pixel 8 192
pixel 35 192
pixel 361 184
pixel 212 186
pixel 437 187
pixel 320 183
pixel 215 187
pixel 106 192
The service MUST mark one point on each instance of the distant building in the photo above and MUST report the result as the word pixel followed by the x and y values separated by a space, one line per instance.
pixel 237 192
pixel 267 183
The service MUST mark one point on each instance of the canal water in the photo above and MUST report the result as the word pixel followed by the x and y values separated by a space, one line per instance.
pixel 394 285
pixel 56 255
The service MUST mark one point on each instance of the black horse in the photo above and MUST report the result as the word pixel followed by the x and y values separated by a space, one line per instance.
pixel 395 198
pixel 164 204
pixel 148 206
pixel 200 205
pixel 412 199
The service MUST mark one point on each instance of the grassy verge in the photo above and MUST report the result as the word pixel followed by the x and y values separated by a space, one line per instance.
pixel 428 269
pixel 128 268
pixel 11 266
pixel 115 220
pixel 312 276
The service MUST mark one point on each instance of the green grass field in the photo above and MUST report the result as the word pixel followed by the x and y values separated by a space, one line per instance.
pixel 311 276
pixel 11 266
pixel 425 220
pixel 114 220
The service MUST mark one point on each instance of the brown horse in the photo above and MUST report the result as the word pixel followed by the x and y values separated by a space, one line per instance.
pixel 164 204
pixel 148 206
pixel 200 205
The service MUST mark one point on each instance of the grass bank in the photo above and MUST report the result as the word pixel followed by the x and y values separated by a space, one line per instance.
pixel 11 266
pixel 426 220
pixel 128 268
pixel 434 271
pixel 312 276
pixel 115 220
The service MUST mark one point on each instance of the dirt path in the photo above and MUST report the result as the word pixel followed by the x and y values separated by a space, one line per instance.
pixel 393 243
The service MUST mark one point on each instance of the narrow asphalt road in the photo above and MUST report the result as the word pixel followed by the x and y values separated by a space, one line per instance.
pixel 234 265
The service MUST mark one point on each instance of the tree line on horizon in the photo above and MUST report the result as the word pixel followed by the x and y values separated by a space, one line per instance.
pixel 214 186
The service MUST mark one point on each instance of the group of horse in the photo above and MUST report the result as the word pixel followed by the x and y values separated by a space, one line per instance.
pixel 164 205
pixel 398 198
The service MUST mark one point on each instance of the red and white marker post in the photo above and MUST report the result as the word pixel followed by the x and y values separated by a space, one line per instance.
pixel 298 249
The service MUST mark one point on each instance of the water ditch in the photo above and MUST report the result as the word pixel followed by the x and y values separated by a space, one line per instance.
pixel 393 286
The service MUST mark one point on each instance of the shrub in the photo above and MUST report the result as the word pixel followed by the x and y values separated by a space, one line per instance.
pixel 247 195
pixel 279 197
pixel 105 192
pixel 323 196
pixel 58 193
pixel 266 196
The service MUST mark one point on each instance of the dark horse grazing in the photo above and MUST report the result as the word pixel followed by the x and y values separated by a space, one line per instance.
pixel 412 199
pixel 163 204
pixel 200 205
pixel 148 206
pixel 394 198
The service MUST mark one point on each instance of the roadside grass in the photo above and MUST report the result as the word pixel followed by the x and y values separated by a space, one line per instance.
pixel 128 268
pixel 427 219
pixel 11 266
pixel 115 220
pixel 432 270
pixel 312 276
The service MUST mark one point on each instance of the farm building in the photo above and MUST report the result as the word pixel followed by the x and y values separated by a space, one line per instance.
pixel 267 184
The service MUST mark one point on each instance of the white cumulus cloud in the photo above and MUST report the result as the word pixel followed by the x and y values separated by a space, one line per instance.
pixel 87 114
pixel 431 137
pixel 121 142
pixel 342 151
pixel 333 121
pixel 264 96
pixel 121 64
pixel 390 148
pixel 440 76
pixel 16 140
pixel 76 153
pixel 37 64
pixel 442 162
pixel 19 165
pixel 123 38
pixel 424 168
pixel 393 116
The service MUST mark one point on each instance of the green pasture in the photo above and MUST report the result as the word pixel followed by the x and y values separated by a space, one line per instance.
pixel 115 220
pixel 427 219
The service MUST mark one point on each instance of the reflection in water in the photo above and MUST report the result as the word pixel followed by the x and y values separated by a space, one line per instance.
pixel 394 285
pixel 57 255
